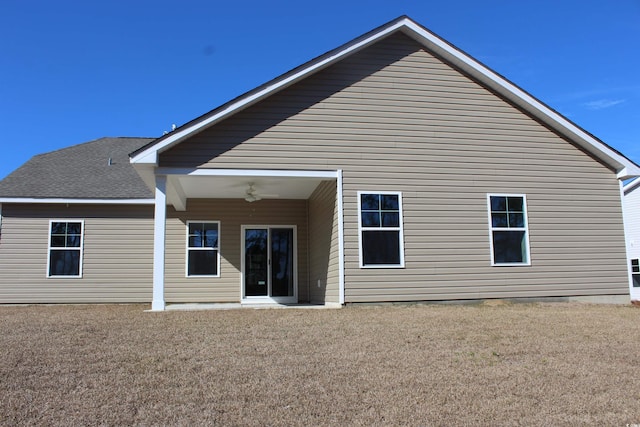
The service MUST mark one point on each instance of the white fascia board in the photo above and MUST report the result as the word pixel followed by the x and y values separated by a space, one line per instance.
pixel 248 172
pixel 147 158
pixel 630 171
pixel 631 185
pixel 150 155
pixel 78 201
pixel 623 166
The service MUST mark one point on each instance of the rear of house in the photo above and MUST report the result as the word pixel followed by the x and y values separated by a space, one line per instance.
pixel 395 168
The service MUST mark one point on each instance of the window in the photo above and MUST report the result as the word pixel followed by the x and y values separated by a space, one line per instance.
pixel 380 221
pixel 203 254
pixel 635 272
pixel 509 229
pixel 65 248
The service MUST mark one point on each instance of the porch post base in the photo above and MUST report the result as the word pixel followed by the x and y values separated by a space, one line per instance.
pixel 157 305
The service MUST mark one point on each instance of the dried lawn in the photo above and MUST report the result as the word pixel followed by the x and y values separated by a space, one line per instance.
pixel 511 364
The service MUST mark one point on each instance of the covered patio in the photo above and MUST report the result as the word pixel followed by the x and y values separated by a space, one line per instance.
pixel 271 229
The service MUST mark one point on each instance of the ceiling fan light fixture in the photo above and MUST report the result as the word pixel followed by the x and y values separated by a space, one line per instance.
pixel 251 195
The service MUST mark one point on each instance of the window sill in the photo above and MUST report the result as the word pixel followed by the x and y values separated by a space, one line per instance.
pixel 64 277
pixel 196 276
pixel 512 264
pixel 378 266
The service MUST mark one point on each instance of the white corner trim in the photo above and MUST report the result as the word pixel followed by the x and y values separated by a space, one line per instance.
pixel 29 200
pixel 339 196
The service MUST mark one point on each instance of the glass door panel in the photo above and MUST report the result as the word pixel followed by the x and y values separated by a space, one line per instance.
pixel 281 262
pixel 256 262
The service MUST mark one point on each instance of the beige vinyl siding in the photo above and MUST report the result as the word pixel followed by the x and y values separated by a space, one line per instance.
pixel 394 117
pixel 117 260
pixel 323 242
pixel 232 214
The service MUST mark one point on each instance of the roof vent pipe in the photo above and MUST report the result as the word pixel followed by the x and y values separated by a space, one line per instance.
pixel 110 162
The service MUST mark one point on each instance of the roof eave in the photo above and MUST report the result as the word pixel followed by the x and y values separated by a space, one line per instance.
pixel 628 172
pixel 69 201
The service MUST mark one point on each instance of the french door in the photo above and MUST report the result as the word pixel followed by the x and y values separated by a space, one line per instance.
pixel 268 264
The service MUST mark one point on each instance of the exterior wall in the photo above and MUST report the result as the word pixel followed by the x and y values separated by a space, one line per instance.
pixel 118 254
pixel 632 220
pixel 232 214
pixel 394 117
pixel 323 242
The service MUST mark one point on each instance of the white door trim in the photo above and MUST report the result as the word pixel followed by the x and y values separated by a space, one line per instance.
pixel 268 299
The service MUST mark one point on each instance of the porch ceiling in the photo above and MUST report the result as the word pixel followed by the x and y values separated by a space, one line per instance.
pixel 235 187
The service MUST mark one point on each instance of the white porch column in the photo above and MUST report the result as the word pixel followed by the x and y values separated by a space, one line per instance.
pixel 339 196
pixel 159 234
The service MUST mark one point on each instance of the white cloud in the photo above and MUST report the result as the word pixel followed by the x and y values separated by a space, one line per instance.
pixel 601 104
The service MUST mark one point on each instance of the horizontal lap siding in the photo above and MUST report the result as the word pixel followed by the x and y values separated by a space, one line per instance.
pixel 323 240
pixel 395 118
pixel 232 214
pixel 117 263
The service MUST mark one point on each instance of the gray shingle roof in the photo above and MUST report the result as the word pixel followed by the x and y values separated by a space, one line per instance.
pixel 81 172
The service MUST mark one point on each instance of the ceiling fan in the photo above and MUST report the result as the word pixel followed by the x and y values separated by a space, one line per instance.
pixel 252 195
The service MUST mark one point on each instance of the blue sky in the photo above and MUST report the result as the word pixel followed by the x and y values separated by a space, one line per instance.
pixel 73 71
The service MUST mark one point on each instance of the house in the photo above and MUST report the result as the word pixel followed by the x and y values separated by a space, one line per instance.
pixel 393 168
pixel 631 205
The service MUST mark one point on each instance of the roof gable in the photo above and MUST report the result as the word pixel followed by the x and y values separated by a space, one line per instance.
pixel 619 163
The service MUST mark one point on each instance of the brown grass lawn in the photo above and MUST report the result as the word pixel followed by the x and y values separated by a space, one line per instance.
pixel 511 364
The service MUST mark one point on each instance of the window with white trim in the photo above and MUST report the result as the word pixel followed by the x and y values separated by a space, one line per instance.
pixel 380 224
pixel 635 272
pixel 65 248
pixel 509 229
pixel 203 253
